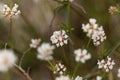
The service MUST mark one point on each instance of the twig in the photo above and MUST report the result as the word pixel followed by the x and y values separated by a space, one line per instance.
pixel 23 72
pixel 24 53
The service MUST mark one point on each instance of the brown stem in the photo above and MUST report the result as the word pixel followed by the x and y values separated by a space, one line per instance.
pixel 23 72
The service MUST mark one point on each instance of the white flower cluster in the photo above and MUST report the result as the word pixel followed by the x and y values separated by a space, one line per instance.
pixel 7 60
pixel 118 73
pixel 78 78
pixel 82 55
pixel 59 38
pixel 106 64
pixel 60 68
pixel 45 51
pixel 8 12
pixel 63 78
pixel 98 78
pixel 94 32
pixel 35 43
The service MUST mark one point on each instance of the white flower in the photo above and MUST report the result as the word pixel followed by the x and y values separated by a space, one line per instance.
pixel 7 59
pixel 98 36
pixel 82 55
pixel 98 78
pixel 118 73
pixel 60 68
pixel 90 27
pixel 78 78
pixel 59 38
pixel 45 51
pixel 63 78
pixel 96 33
pixel 35 43
pixel 10 12
pixel 106 64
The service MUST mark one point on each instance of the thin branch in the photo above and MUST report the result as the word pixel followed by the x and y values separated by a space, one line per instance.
pixel 24 53
pixel 23 72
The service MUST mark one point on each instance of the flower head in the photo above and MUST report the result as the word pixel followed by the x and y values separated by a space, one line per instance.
pixel 63 78
pixel 82 55
pixel 106 64
pixel 8 12
pixel 112 9
pixel 98 36
pixel 90 27
pixel 35 43
pixel 45 51
pixel 118 75
pixel 7 59
pixel 60 68
pixel 59 38
pixel 78 78
pixel 98 78
pixel 95 32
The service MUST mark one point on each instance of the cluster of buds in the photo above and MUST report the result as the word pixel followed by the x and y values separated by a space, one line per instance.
pixel 106 64
pixel 95 32
pixel 8 12
pixel 35 43
pixel 59 68
pixel 113 9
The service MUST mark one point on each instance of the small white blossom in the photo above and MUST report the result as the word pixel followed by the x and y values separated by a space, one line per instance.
pixel 106 64
pixel 82 55
pixel 96 33
pixel 59 38
pixel 7 60
pixel 78 78
pixel 118 73
pixel 8 12
pixel 45 51
pixel 63 78
pixel 35 43
pixel 90 27
pixel 60 68
pixel 98 78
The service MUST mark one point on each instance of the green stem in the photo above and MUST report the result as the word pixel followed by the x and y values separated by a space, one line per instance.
pixel 50 63
pixel 24 53
pixel 68 13
pixel 75 70
pixel 10 31
pixel 7 76
pixel 111 51
pixel 64 55
pixel 88 43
